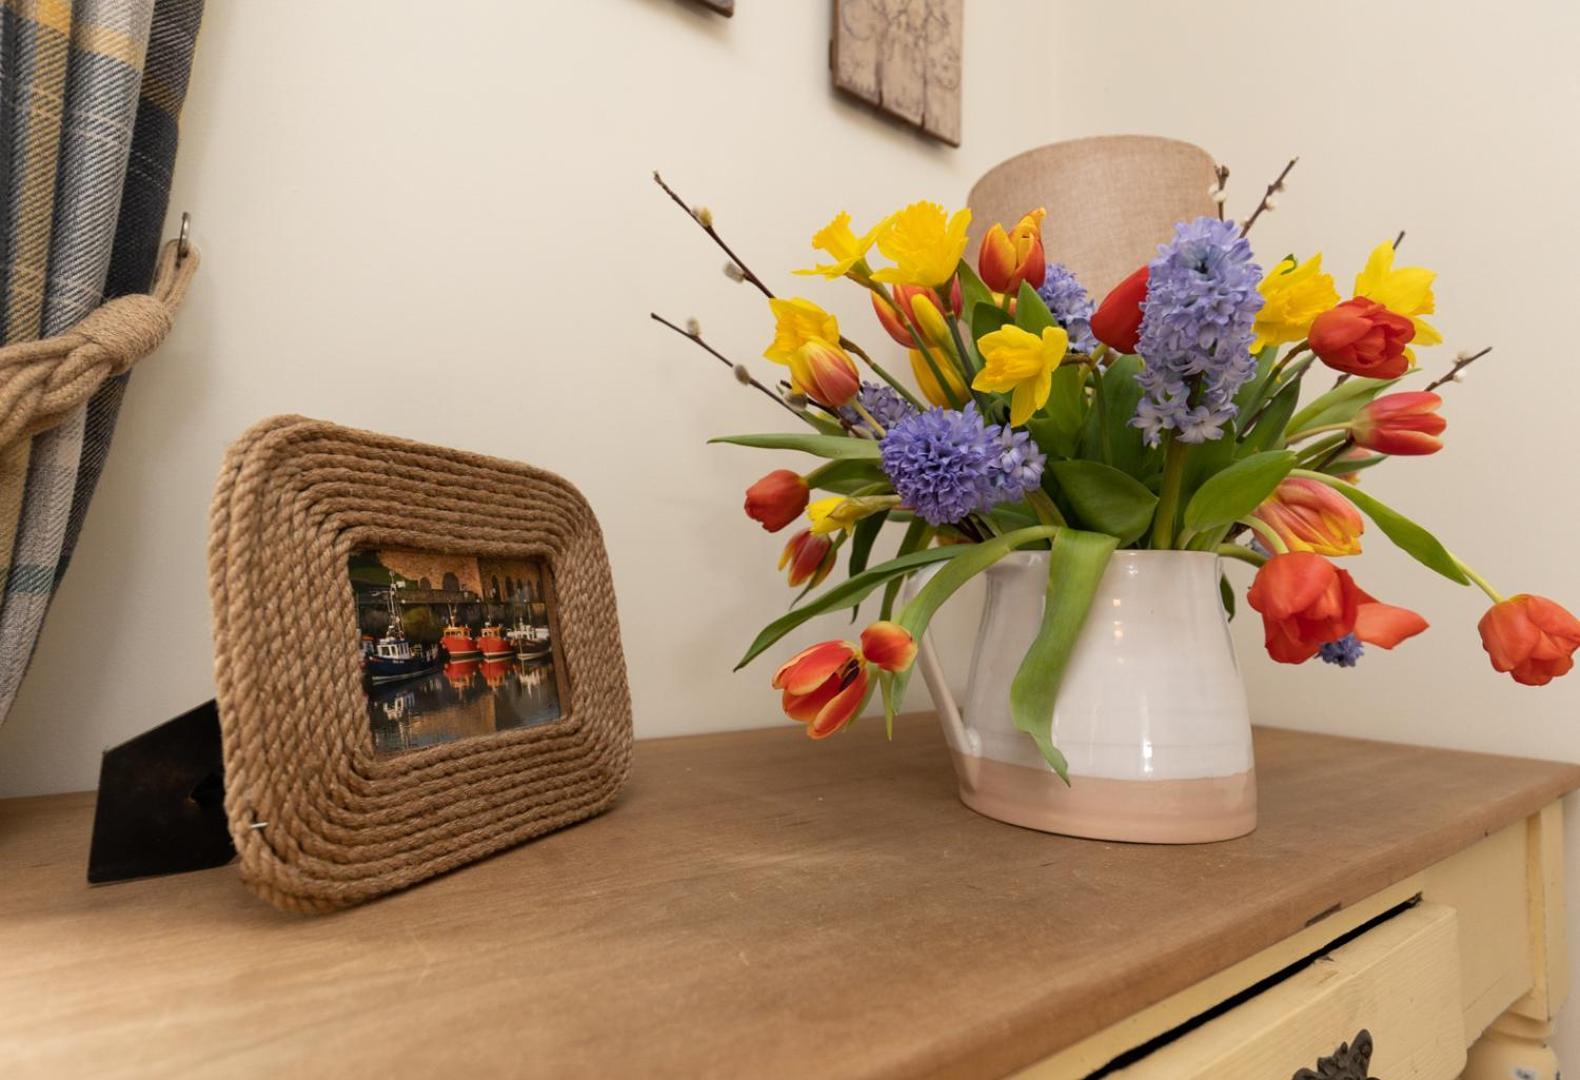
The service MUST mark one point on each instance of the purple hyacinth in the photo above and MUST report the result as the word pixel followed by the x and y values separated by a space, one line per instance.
pixel 947 463
pixel 1070 306
pixel 1343 652
pixel 883 402
pixel 1196 331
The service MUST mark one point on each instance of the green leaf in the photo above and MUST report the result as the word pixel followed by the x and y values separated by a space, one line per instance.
pixel 1409 537
pixel 1226 591
pixel 825 446
pixel 969 560
pixel 1075 567
pixel 845 476
pixel 1105 499
pixel 1236 491
pixel 1268 433
pixel 846 593
pixel 1057 427
pixel 1339 405
pixel 985 318
pixel 917 536
pixel 862 538
pixel 1253 393
pixel 972 291
pixel 1125 449
pixel 1031 311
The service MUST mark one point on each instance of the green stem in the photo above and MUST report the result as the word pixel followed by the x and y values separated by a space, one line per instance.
pixel 899 387
pixel 1481 582
pixel 954 332
pixel 1320 430
pixel 1267 533
pixel 1169 498
pixel 1238 551
pixel 872 421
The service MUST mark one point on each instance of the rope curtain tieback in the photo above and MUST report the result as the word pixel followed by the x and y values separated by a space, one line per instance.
pixel 41 382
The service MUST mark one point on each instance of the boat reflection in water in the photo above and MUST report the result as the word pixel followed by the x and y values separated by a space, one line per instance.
pixel 462 699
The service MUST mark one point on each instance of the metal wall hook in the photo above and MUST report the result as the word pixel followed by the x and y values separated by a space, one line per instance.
pixel 184 240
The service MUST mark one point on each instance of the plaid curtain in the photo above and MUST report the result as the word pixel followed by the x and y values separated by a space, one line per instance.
pixel 90 94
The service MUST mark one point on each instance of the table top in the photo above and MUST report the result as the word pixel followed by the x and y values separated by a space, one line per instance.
pixel 755 904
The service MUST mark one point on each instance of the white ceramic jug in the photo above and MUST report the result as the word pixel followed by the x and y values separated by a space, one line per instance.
pixel 1151 714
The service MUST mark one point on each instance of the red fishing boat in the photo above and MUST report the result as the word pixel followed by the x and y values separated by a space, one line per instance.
pixel 458 644
pixel 491 642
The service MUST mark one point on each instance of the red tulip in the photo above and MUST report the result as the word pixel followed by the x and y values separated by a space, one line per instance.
pixel 777 499
pixel 823 686
pixel 1531 638
pixel 809 557
pixel 1362 337
pixel 1117 320
pixel 1403 423
pixel 889 645
pixel 1305 602
pixel 1007 259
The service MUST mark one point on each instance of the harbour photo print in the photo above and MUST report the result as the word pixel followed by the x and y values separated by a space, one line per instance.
pixel 453 646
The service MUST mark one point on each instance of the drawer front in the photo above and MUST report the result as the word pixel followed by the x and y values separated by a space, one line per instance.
pixel 1399 982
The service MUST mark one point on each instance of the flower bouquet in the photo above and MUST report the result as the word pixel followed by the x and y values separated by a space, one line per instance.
pixel 1174 416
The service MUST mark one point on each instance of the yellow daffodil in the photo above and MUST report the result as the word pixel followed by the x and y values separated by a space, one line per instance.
pixel 929 385
pixel 843 246
pixel 839 512
pixel 1404 291
pixel 1021 364
pixel 1293 295
pixel 924 243
pixel 796 322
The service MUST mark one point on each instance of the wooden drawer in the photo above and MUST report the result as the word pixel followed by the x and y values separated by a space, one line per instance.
pixel 1399 981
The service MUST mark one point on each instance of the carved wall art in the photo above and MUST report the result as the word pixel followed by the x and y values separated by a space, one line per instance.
pixel 903 57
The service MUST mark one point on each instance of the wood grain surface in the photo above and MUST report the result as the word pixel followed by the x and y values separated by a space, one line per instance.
pixel 755 905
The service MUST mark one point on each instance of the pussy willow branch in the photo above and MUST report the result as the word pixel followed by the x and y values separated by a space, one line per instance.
pixel 707 227
pixel 751 380
pixel 1459 365
pixel 1272 189
pixel 1223 182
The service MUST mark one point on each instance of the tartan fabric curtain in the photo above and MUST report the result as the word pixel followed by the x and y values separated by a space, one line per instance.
pixel 90 95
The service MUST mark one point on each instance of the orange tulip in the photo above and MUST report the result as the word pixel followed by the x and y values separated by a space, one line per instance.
pixel 1531 638
pixel 1310 516
pixel 1305 602
pixel 919 304
pixel 825 373
pixel 889 645
pixel 1385 625
pixel 1361 337
pixel 1007 259
pixel 809 557
pixel 823 686
pixel 1117 320
pixel 1402 423
pixel 777 499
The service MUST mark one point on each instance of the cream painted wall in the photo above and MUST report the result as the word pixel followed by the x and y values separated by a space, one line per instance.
pixel 446 230
pixel 453 238
pixel 1453 120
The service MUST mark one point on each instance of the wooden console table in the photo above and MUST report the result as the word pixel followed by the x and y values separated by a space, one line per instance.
pixel 758 905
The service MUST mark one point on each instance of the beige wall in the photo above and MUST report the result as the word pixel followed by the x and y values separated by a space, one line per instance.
pixel 445 229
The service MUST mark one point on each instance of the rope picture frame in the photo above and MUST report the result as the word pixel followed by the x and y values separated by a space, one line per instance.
pixel 322 819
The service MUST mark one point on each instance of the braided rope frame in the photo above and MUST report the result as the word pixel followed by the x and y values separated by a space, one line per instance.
pixel 319 821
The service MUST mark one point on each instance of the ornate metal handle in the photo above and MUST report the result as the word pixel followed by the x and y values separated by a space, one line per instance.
pixel 1351 1061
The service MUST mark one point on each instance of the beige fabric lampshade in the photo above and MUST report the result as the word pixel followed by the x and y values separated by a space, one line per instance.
pixel 1111 200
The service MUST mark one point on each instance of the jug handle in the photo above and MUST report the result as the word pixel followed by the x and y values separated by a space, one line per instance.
pixel 938 685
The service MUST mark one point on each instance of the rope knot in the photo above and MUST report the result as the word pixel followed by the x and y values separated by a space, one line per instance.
pixel 126 329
